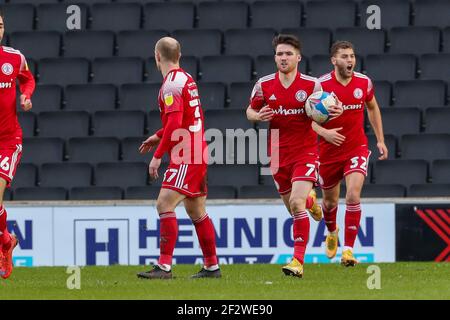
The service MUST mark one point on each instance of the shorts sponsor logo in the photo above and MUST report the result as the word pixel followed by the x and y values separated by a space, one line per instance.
pixel 7 69
pixel 301 95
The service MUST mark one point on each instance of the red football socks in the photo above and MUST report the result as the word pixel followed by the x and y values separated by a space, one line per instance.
pixel 330 217
pixel 301 234
pixel 352 218
pixel 168 236
pixel 207 239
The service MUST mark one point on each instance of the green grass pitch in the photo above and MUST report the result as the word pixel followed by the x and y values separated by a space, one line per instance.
pixel 416 280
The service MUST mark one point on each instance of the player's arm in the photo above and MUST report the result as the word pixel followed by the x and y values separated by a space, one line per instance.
pixel 26 85
pixel 258 110
pixel 374 114
pixel 330 135
pixel 263 114
pixel 151 141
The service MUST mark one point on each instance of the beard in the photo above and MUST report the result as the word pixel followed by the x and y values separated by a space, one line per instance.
pixel 344 72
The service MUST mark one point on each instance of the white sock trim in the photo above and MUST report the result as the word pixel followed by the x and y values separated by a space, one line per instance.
pixel 212 268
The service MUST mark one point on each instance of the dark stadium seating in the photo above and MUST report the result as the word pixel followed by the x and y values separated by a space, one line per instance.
pixel 119 123
pixel 42 150
pixel 142 193
pixel 277 15
pixel 64 125
pixel 432 13
pixel 431 66
pixel 383 191
pixel 226 69
pixel 89 44
pixel 65 175
pixel 91 97
pixel 18 17
pixel 257 42
pixel 189 64
pixel 37 45
pixel 140 43
pixel 212 95
pixel 93 150
pixel 169 16
pixel 225 15
pixel 437 120
pixel 221 192
pixel 425 146
pixel 96 193
pixel 406 172
pixel 446 40
pixel 53 17
pixel 330 14
pixel 365 43
pixel 390 67
pixel 7 195
pixel 409 124
pixel 40 193
pixel 440 171
pixel 419 93
pixel 313 40
pixel 116 16
pixel 27 121
pixel 416 40
pixel 63 71
pixel 26 176
pixel 429 190
pixel 48 97
pixel 383 93
pixel 139 96
pixel 232 175
pixel 394 13
pixel 130 152
pixel 226 119
pixel 258 192
pixel 125 174
pixel 199 43
pixel 239 94
pixel 117 70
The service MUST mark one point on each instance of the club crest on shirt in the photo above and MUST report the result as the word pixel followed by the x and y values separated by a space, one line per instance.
pixel 358 93
pixel 7 69
pixel 301 95
pixel 168 99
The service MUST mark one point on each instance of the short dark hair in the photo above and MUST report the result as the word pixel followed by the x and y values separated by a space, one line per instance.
pixel 286 39
pixel 1 13
pixel 340 44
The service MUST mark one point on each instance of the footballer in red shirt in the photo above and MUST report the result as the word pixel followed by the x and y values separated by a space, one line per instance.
pixel 13 67
pixel 182 137
pixel 280 98
pixel 343 149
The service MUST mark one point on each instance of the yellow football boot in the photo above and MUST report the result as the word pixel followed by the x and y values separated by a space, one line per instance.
pixel 316 209
pixel 294 268
pixel 347 259
pixel 331 243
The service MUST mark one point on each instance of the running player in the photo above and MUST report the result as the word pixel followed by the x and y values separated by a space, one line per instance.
pixel 343 149
pixel 279 98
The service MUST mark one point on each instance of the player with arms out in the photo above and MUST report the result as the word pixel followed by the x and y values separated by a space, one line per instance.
pixel 280 98
pixel 343 149
pixel 182 137
pixel 13 67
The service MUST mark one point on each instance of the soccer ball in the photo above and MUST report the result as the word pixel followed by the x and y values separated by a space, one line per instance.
pixel 317 104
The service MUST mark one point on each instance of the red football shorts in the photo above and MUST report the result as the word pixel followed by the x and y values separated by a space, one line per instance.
pixel 331 173
pixel 303 170
pixel 187 179
pixel 9 159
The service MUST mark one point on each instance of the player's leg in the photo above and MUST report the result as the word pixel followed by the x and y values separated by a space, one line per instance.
pixel 10 159
pixel 329 206
pixel 167 202
pixel 297 204
pixel 196 209
pixel 354 182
